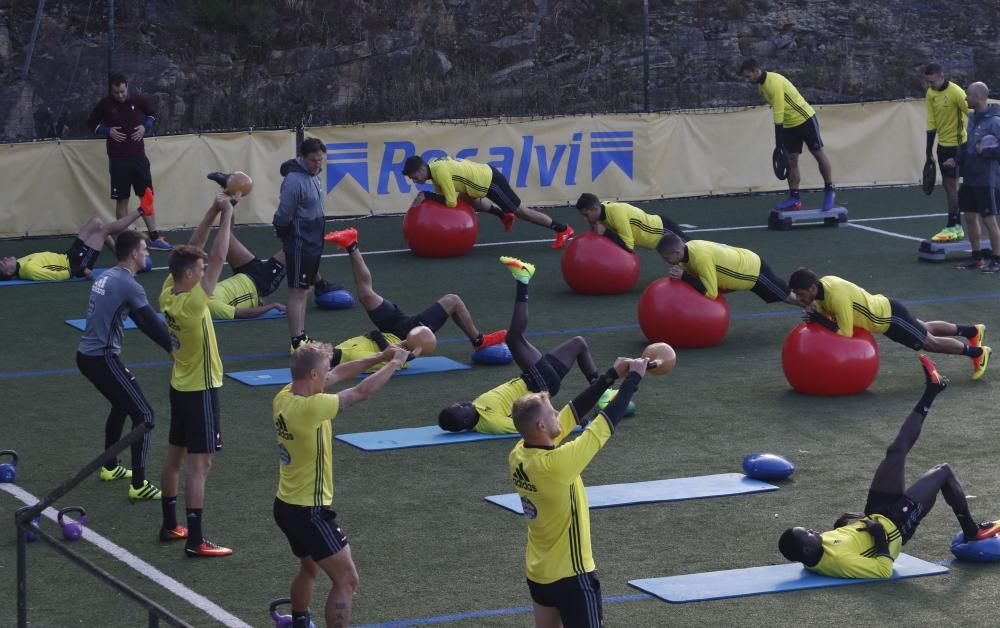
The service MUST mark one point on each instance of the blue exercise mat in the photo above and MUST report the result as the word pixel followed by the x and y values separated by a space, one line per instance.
pixel 414 437
pixel 27 282
pixel 717 585
pixel 81 323
pixel 280 377
pixel 672 490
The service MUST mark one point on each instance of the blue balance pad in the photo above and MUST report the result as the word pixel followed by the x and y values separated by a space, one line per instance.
pixel 81 323
pixel 280 377
pixel 674 489
pixel 405 438
pixel 25 282
pixel 717 585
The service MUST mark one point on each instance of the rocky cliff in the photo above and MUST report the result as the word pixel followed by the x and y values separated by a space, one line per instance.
pixel 217 64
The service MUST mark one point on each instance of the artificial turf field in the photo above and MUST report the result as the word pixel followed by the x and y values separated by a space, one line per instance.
pixel 425 543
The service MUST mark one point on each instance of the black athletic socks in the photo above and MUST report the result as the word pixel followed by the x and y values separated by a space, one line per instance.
pixel 169 508
pixel 522 292
pixel 558 227
pixel 194 527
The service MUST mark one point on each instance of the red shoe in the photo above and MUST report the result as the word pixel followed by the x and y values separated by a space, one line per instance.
pixel 175 534
pixel 930 370
pixel 508 220
pixel 146 207
pixel 343 238
pixel 494 338
pixel 563 237
pixel 987 530
pixel 208 549
pixel 977 340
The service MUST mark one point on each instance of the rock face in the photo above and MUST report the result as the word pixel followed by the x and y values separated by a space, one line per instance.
pixel 222 64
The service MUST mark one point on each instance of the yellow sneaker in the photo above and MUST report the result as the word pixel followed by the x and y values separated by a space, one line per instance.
pixel 979 363
pixel 522 271
pixel 146 492
pixel 118 473
pixel 957 233
pixel 980 337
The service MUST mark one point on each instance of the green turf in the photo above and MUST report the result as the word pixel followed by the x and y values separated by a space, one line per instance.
pixel 425 542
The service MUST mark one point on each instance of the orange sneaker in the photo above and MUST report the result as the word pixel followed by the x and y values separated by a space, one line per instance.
pixel 208 549
pixel 931 372
pixel 980 337
pixel 491 339
pixel 174 534
pixel 987 530
pixel 563 237
pixel 343 238
pixel 508 220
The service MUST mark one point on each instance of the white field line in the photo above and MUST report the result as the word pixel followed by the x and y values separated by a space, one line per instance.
pixel 884 232
pixel 148 571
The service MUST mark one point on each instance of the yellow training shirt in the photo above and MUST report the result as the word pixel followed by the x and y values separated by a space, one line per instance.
pixel 197 365
pixel 554 499
pixel 634 226
pixel 789 107
pixel 237 291
pixel 360 347
pixel 451 176
pixel 718 266
pixel 850 306
pixel 43 266
pixel 304 427
pixel 494 407
pixel 849 551
pixel 947 113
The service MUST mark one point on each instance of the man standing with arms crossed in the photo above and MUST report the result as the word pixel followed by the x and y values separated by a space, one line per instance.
pixel 124 119
pixel 946 119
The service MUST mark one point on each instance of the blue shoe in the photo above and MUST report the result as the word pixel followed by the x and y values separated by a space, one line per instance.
pixel 829 196
pixel 160 244
pixel 792 202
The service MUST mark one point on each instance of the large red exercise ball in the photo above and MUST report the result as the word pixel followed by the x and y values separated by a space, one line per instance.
pixel 593 264
pixel 671 311
pixel 435 230
pixel 821 362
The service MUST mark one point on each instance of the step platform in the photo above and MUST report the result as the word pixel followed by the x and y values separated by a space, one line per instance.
pixel 781 220
pixel 939 251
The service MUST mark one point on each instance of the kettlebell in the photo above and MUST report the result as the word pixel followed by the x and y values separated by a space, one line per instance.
pixel 8 470
pixel 72 530
pixel 283 621
pixel 29 535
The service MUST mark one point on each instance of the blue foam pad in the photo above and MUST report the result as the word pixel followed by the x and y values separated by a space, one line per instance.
pixel 674 489
pixel 497 354
pixel 405 438
pixel 335 300
pixel 767 467
pixel 985 551
pixel 717 585
pixel 81 323
pixel 25 282
pixel 280 377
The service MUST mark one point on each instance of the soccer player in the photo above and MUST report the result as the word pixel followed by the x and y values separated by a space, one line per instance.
pixel 195 430
pixel 483 186
pixel 303 415
pixel 947 114
pixel 851 306
pixel 710 267
pixel 124 119
pixel 625 225
pixel 80 258
pixel 864 545
pixel 393 324
pixel 546 473
pixel 794 124
pixel 115 295
pixel 979 161
pixel 490 412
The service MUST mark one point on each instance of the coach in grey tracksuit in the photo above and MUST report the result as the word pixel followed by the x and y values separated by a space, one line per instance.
pixel 979 164
pixel 299 222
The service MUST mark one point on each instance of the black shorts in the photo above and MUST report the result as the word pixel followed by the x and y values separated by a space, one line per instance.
pixel 501 193
pixel 769 286
pixel 900 509
pixel 578 599
pixel 311 531
pixel 302 269
pixel 129 173
pixel 944 153
pixel 905 329
pixel 265 275
pixel 195 420
pixel 81 257
pixel 806 133
pixel 984 201
pixel 546 375
pixel 389 319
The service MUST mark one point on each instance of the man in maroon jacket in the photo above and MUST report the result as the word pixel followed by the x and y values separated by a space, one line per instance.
pixel 124 118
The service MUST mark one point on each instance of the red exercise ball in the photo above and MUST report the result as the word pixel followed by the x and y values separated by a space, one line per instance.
pixel 435 230
pixel 593 264
pixel 673 312
pixel 818 361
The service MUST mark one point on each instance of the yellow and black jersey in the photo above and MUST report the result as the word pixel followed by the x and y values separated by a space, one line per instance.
pixel 494 407
pixel 360 347
pixel 44 266
pixel 721 267
pixel 851 306
pixel 238 291
pixel 789 107
pixel 849 551
pixel 555 501
pixel 453 176
pixel 197 365
pixel 947 113
pixel 634 226
pixel 304 427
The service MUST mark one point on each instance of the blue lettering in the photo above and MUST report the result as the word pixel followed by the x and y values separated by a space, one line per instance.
pixel 466 153
pixel 393 168
pixel 547 172
pixel 527 142
pixel 574 159
pixel 506 162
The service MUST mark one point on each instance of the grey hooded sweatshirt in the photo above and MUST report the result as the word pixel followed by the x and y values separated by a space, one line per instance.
pixel 300 206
